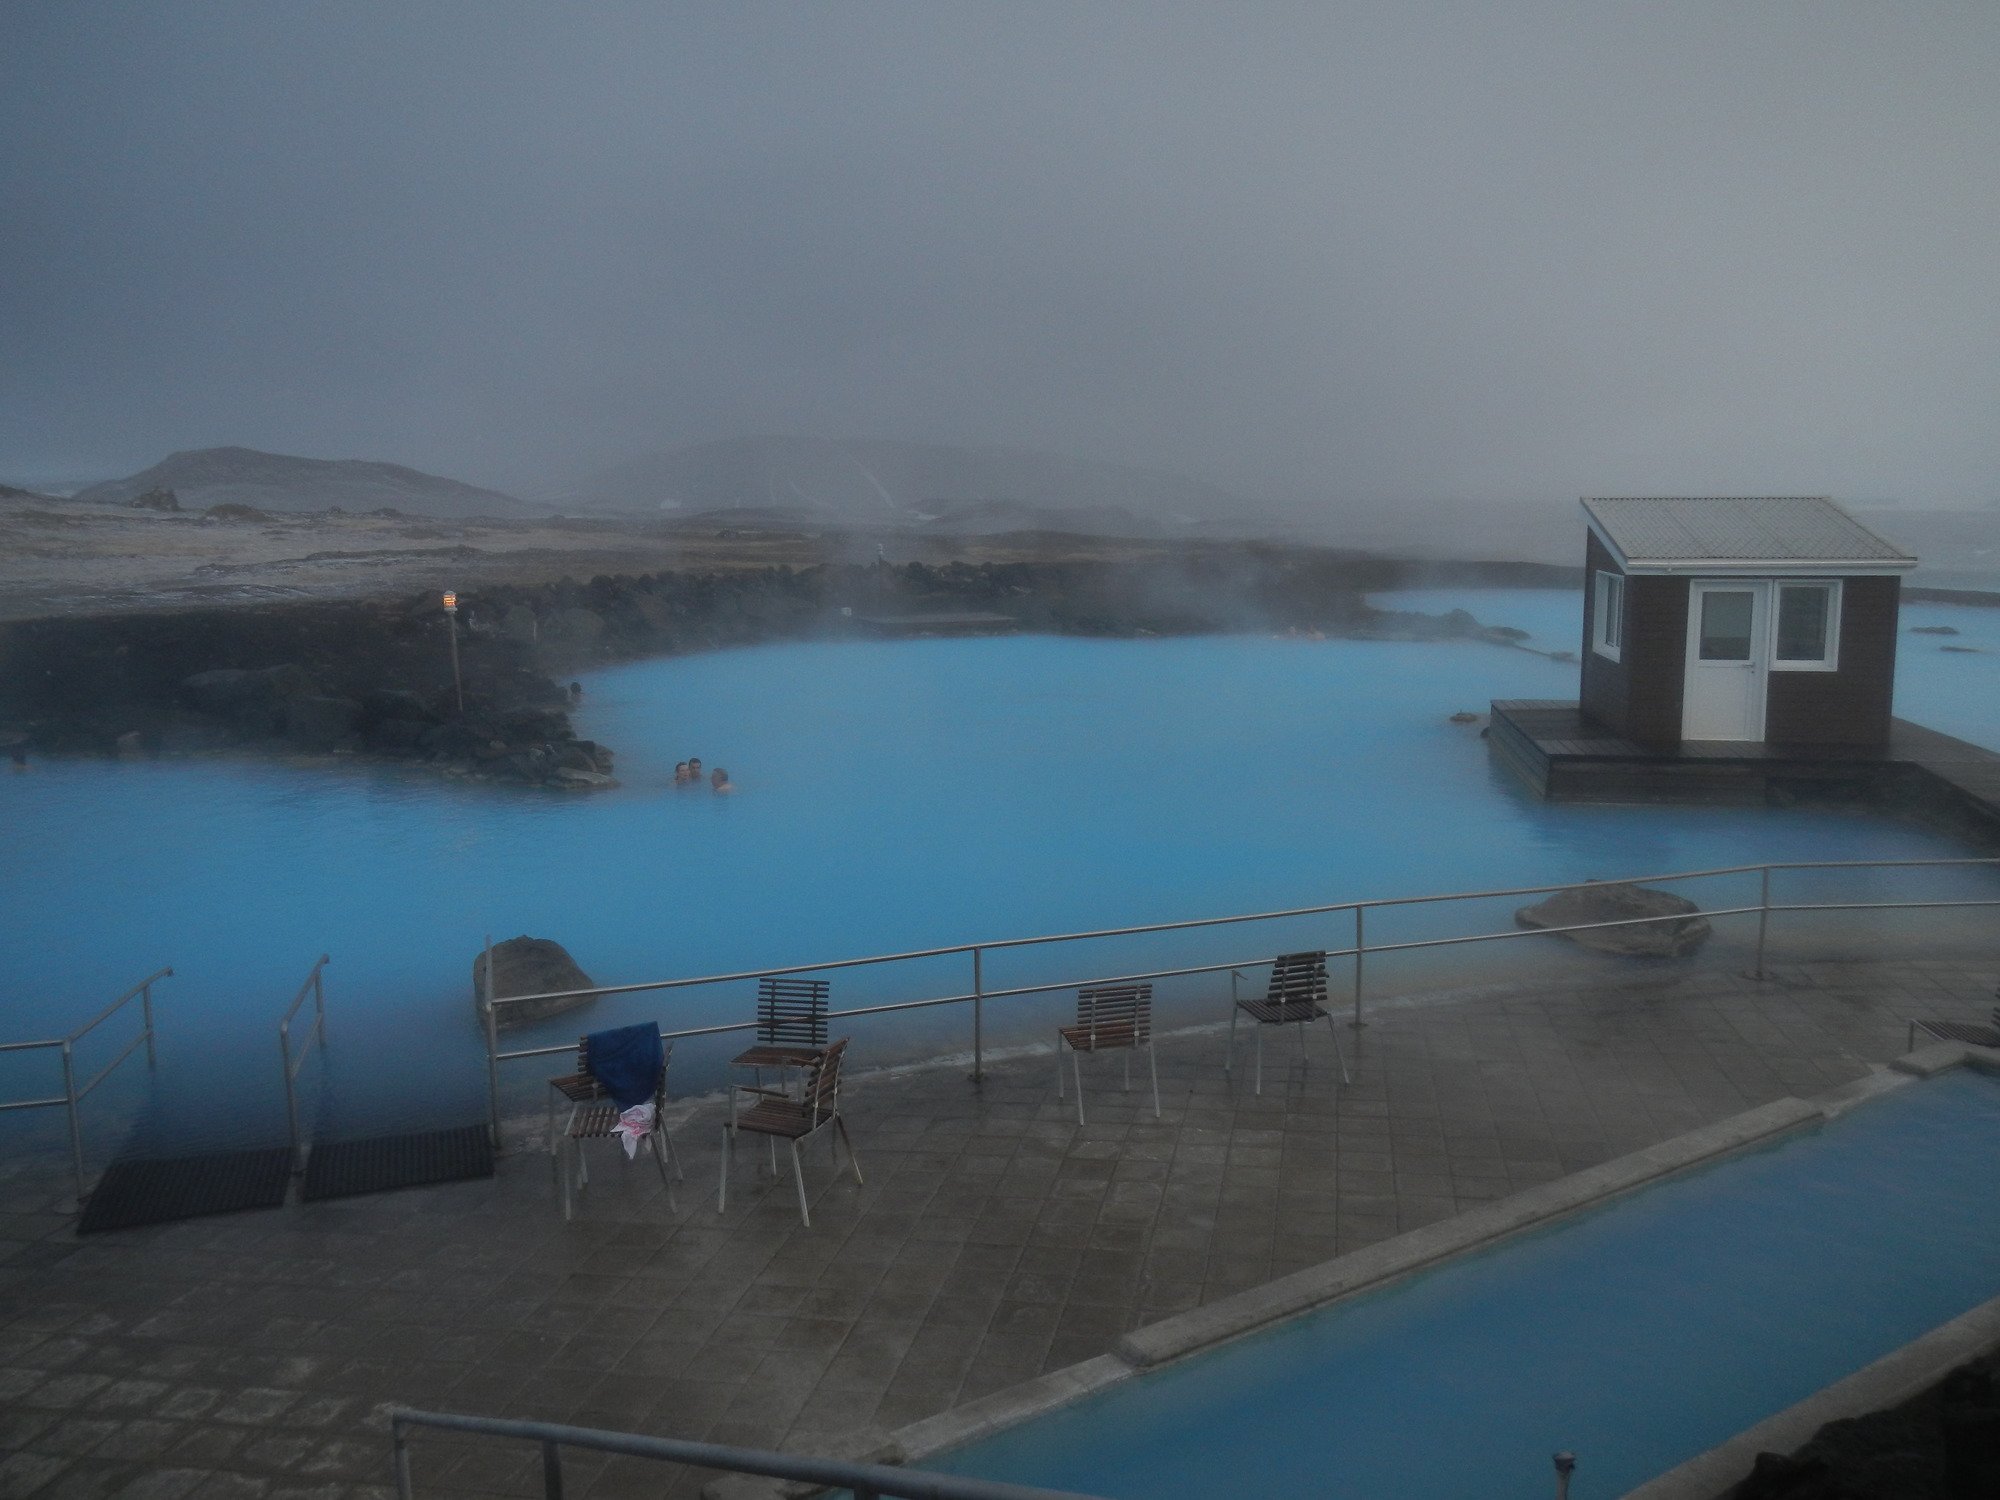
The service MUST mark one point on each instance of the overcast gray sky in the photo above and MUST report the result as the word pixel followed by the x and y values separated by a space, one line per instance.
pixel 1386 251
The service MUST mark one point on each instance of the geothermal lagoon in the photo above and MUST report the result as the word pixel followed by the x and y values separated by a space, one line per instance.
pixel 893 796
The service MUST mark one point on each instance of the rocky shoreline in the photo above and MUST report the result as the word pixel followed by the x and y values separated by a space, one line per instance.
pixel 373 680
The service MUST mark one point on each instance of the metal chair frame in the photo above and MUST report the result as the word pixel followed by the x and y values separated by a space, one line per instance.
pixel 1109 1017
pixel 777 1113
pixel 595 1119
pixel 1296 996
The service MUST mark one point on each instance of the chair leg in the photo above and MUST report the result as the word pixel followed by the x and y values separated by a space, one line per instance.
pixel 1338 1055
pixel 1260 1059
pixel 852 1160
pixel 1125 1058
pixel 1153 1066
pixel 1229 1053
pixel 1060 1086
pixel 568 1186
pixel 663 1148
pixel 799 1176
pixel 728 1155
pixel 1076 1061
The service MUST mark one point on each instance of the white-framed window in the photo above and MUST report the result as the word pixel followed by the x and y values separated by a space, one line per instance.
pixel 1805 626
pixel 1607 615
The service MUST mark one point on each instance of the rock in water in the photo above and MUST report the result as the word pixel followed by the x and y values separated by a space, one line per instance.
pixel 1609 901
pixel 529 966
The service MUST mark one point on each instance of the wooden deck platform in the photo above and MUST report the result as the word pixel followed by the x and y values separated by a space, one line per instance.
pixel 1567 757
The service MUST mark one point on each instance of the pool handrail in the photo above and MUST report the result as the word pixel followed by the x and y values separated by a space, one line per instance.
pixel 316 1032
pixel 979 994
pixel 864 1481
pixel 72 1097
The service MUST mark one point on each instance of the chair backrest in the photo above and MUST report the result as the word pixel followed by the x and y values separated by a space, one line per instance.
pixel 1116 1014
pixel 820 1097
pixel 666 1061
pixel 792 1012
pixel 1298 979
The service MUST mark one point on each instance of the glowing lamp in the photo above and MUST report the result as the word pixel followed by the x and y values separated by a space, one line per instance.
pixel 451 601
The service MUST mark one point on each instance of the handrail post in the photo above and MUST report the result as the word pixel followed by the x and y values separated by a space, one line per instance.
pixel 1360 947
pixel 1763 921
pixel 552 1478
pixel 75 1121
pixel 146 1004
pixel 978 1018
pixel 399 1432
pixel 492 1048
pixel 291 1092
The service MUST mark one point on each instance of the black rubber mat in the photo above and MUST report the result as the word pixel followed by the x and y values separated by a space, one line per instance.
pixel 341 1169
pixel 157 1192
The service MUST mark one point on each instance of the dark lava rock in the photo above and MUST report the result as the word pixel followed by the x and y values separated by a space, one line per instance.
pixel 155 500
pixel 1610 901
pixel 227 691
pixel 320 723
pixel 530 966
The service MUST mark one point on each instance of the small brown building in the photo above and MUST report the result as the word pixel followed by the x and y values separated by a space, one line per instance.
pixel 1767 620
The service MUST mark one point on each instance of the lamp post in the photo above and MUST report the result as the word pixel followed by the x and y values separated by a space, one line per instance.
pixel 457 684
pixel 1565 1466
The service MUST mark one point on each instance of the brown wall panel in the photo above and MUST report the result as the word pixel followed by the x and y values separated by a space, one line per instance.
pixel 1850 706
pixel 1656 612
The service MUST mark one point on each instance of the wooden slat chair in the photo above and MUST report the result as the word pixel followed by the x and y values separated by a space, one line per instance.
pixel 1296 997
pixel 791 1026
pixel 1958 1031
pixel 596 1119
pixel 576 1089
pixel 776 1115
pixel 1109 1017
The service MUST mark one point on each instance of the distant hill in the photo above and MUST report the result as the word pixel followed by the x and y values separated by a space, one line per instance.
pixel 932 486
pixel 203 477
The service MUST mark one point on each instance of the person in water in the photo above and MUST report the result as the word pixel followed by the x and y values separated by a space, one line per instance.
pixel 694 770
pixel 720 781
pixel 681 773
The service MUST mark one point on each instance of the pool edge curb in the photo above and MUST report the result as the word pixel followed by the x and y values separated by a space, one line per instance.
pixel 1203 1328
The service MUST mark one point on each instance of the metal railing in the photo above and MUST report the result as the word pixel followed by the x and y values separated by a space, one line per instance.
pixel 72 1097
pixel 314 1033
pixel 1360 950
pixel 863 1481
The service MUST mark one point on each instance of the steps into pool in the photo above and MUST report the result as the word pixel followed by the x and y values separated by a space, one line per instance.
pixel 344 1169
pixel 132 1193
pixel 135 1192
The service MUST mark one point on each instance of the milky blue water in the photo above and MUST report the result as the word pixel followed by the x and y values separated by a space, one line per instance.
pixel 1636 1336
pixel 893 796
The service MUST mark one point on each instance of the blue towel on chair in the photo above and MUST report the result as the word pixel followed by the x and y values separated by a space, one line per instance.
pixel 626 1060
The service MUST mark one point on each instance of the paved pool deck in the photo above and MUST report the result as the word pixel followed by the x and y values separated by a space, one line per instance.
pixel 995 1239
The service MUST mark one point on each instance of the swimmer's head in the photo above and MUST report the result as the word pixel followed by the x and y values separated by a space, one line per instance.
pixel 720 779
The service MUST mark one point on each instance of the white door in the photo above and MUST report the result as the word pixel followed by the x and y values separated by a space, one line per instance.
pixel 1727 658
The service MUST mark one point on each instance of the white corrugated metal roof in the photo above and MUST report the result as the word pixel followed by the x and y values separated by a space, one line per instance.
pixel 1738 529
